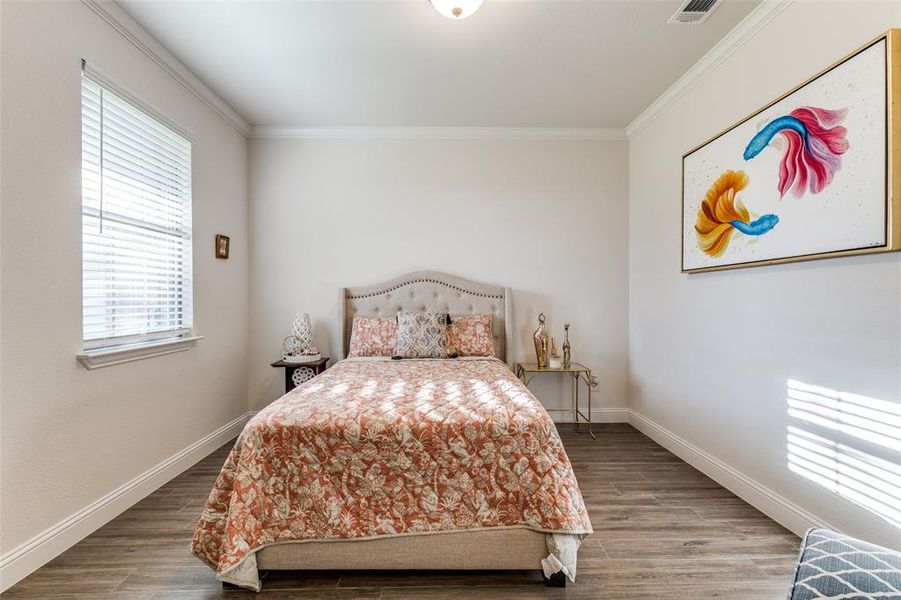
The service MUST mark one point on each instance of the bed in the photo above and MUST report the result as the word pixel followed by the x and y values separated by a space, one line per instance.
pixel 376 463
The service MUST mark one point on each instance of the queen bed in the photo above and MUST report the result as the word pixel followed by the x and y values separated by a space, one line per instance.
pixel 400 464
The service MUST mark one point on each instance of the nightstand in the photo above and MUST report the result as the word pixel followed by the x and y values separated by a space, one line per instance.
pixel 297 373
pixel 578 373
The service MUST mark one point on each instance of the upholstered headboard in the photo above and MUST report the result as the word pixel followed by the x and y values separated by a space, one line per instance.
pixel 430 291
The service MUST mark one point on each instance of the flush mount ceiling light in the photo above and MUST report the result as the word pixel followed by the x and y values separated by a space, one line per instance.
pixel 456 9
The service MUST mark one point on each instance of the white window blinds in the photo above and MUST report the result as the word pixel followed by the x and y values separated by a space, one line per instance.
pixel 136 222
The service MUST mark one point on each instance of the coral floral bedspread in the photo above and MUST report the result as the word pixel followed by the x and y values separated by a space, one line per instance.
pixel 375 448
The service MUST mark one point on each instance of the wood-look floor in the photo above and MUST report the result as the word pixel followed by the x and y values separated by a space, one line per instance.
pixel 662 530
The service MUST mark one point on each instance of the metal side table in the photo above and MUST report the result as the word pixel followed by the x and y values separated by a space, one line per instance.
pixel 579 373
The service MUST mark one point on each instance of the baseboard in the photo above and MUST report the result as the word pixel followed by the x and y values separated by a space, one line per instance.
pixel 32 554
pixel 780 509
pixel 598 415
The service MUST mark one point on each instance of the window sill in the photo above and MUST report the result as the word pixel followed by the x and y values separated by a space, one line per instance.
pixel 107 357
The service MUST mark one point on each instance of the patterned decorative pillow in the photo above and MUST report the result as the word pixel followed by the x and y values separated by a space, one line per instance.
pixel 833 565
pixel 421 335
pixel 373 336
pixel 470 335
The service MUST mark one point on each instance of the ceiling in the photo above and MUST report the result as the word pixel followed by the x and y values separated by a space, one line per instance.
pixel 398 63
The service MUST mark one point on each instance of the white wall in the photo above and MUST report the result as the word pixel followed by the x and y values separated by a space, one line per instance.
pixel 707 356
pixel 547 218
pixel 711 354
pixel 70 436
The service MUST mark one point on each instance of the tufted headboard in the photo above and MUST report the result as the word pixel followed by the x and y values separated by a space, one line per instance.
pixel 433 292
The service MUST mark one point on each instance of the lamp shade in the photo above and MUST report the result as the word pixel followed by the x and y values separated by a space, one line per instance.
pixel 456 9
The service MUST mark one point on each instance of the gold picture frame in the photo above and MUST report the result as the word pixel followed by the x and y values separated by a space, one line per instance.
pixel 892 213
pixel 222 246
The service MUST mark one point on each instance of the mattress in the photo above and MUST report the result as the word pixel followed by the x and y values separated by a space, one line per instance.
pixel 375 449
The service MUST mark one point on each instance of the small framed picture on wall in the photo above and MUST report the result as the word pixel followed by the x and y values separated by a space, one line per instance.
pixel 222 243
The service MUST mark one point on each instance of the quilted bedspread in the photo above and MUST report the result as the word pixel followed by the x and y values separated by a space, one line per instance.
pixel 375 448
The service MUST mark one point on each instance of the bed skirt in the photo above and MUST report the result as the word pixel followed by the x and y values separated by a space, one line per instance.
pixel 466 550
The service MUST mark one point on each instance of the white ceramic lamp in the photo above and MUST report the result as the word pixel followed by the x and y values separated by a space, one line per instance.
pixel 301 347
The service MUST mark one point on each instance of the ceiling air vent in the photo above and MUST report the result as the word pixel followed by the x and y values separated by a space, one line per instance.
pixel 694 12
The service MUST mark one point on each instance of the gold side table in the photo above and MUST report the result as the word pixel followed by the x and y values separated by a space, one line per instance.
pixel 527 371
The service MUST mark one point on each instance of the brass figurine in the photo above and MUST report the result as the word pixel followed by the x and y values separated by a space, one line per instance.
pixel 553 361
pixel 540 338
pixel 567 349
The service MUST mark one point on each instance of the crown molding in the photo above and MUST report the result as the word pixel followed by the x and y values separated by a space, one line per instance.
pixel 435 133
pixel 137 36
pixel 756 20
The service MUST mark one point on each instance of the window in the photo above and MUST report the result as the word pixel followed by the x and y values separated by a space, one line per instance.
pixel 136 222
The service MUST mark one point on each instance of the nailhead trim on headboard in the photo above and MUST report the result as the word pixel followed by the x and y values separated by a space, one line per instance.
pixel 421 291
pixel 444 283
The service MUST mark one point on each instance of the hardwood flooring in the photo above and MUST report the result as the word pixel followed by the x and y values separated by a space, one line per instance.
pixel 662 530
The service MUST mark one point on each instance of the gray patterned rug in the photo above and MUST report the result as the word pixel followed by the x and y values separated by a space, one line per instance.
pixel 836 566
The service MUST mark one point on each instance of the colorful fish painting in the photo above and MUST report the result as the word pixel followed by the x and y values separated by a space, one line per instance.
pixel 813 142
pixel 722 213
pixel 817 162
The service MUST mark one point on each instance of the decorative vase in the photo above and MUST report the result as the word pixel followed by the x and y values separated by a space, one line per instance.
pixel 299 347
pixel 302 330
pixel 541 342
pixel 567 349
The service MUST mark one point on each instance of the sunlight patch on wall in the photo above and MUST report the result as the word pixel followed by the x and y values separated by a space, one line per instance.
pixel 866 480
pixel 869 419
pixel 849 444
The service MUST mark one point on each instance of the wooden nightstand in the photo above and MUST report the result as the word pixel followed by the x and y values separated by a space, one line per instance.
pixel 297 373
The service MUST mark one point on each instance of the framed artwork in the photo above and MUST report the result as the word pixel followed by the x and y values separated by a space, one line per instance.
pixel 814 174
pixel 222 243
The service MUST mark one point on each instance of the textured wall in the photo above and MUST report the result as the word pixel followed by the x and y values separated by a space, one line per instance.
pixel 71 436
pixel 547 218
pixel 712 355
